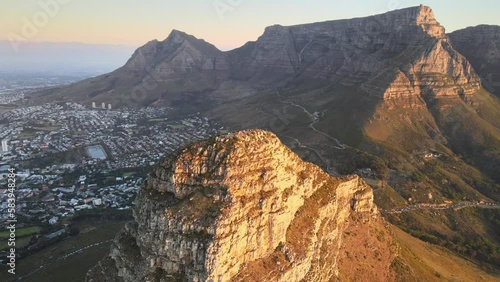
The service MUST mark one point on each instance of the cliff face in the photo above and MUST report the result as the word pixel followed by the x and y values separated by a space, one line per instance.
pixel 397 54
pixel 241 207
pixel 481 45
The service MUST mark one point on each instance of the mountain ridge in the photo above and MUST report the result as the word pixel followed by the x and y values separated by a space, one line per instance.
pixel 355 51
pixel 480 44
pixel 348 95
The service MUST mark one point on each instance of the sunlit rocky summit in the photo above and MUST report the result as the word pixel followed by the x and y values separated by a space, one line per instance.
pixel 389 88
pixel 241 207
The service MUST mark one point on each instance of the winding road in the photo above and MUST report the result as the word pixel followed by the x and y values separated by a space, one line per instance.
pixel 64 257
pixel 315 119
pixel 333 173
pixel 441 207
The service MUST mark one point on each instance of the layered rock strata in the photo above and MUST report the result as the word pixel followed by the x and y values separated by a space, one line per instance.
pixel 481 45
pixel 238 207
pixel 401 53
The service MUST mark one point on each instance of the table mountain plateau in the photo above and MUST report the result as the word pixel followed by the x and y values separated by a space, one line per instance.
pixel 396 54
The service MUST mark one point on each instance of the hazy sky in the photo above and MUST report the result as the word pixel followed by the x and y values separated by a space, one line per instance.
pixel 225 23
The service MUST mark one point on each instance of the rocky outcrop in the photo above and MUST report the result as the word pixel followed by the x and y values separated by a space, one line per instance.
pixel 481 45
pixel 239 207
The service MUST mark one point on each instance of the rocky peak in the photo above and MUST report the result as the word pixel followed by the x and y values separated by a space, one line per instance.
pixel 177 35
pixel 221 209
pixel 425 18
pixel 427 66
pixel 219 161
pixel 179 52
pixel 421 16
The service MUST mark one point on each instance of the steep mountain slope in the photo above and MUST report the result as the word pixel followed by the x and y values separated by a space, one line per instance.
pixel 481 45
pixel 395 54
pixel 239 207
pixel 386 95
pixel 390 55
pixel 405 90
pixel 243 207
pixel 157 71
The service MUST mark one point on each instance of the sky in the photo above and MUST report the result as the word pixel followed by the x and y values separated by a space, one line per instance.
pixel 225 23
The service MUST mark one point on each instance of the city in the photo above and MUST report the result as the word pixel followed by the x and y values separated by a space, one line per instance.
pixel 71 157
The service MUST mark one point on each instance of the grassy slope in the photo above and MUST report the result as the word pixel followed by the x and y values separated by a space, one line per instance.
pixel 398 131
pixel 72 268
pixel 465 135
pixel 472 130
pixel 370 246
pixel 471 232
pixel 432 263
pixel 21 232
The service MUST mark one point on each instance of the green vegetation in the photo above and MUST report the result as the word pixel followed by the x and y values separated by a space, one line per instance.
pixel 110 177
pixel 20 243
pixel 101 215
pixel 473 133
pixel 70 156
pixel 348 108
pixel 21 232
pixel 46 128
pixel 362 159
pixel 420 261
pixel 471 232
pixel 158 119
pixel 387 198
pixel 72 268
pixel 27 133
pixel 23 237
pixel 5 107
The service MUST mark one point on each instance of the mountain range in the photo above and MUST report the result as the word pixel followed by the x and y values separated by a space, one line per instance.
pixel 390 96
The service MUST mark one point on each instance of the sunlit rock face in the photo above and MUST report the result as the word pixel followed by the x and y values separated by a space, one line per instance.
pixel 238 207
